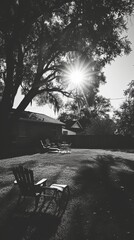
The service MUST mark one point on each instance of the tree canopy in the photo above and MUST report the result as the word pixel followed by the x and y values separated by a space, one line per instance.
pixel 86 114
pixel 125 115
pixel 98 126
pixel 36 38
pixel 40 40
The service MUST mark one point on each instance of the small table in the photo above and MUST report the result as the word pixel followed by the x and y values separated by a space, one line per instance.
pixel 58 192
pixel 62 191
pixel 65 148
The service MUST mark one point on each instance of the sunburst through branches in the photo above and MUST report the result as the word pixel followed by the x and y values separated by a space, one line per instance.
pixel 77 75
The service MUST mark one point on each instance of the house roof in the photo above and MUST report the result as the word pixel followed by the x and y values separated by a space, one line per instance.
pixel 39 117
pixel 74 125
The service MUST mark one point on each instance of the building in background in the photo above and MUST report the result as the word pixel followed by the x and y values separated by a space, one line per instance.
pixel 72 128
pixel 30 128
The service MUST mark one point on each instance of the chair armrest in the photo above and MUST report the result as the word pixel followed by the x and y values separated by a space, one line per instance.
pixel 42 182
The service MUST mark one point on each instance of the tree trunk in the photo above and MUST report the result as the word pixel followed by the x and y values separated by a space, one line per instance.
pixel 5 131
pixel 26 100
pixel 7 99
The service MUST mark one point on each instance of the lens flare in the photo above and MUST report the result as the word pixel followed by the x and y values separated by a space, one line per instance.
pixel 77 75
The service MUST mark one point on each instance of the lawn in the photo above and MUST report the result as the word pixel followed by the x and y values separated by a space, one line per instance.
pixel 101 204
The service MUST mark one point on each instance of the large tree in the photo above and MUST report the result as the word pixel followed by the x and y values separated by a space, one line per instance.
pixel 80 110
pixel 125 115
pixel 37 36
pixel 100 126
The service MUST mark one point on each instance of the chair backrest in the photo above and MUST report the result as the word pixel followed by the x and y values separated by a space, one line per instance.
pixel 25 180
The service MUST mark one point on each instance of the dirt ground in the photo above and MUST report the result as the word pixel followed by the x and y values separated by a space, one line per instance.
pixel 101 204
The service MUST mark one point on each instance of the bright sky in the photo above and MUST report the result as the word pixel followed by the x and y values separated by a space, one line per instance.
pixel 118 74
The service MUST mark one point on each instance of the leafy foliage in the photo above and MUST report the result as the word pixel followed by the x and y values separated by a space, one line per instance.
pixel 37 36
pixel 1 89
pixel 90 117
pixel 125 115
pixel 98 126
pixel 79 106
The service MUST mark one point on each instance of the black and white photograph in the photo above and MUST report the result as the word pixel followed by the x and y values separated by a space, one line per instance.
pixel 66 119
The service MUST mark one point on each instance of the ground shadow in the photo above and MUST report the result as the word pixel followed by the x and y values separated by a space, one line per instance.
pixel 30 226
pixel 24 222
pixel 92 173
pixel 111 186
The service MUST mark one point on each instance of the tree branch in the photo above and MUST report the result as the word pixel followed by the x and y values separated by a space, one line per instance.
pixel 19 70
pixel 54 89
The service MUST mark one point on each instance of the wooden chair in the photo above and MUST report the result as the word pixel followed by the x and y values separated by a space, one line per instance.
pixel 49 148
pixel 43 148
pixel 25 180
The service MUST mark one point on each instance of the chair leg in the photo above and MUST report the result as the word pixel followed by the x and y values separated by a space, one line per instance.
pixel 68 192
pixel 19 198
pixel 36 202
pixel 64 198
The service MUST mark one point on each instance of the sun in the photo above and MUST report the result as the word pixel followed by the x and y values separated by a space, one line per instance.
pixel 76 75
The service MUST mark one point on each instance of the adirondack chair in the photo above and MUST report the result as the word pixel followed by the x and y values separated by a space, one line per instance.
pixel 25 180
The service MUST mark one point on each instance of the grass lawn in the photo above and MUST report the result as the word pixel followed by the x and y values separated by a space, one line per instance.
pixel 101 204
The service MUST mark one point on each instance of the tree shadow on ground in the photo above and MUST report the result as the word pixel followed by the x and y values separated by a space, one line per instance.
pixel 22 221
pixel 111 188
pixel 30 226
pixel 25 223
pixel 92 174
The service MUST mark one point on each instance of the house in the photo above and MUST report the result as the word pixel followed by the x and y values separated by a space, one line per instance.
pixel 72 128
pixel 67 132
pixel 31 127
pixel 76 126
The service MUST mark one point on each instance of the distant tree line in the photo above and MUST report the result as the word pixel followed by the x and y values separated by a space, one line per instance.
pixel 96 119
pixel 124 117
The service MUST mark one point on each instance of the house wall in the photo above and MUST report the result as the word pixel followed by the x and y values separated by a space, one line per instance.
pixel 26 136
pixel 36 130
pixel 68 132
